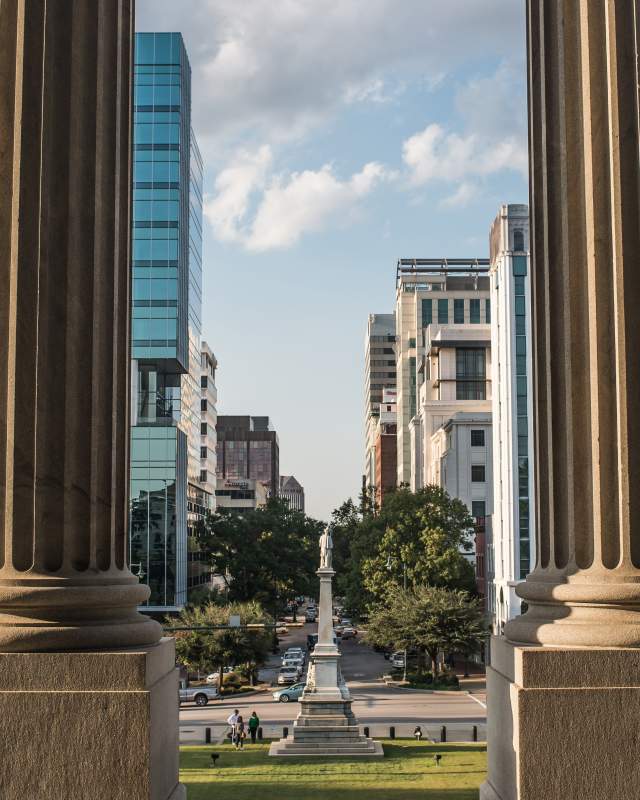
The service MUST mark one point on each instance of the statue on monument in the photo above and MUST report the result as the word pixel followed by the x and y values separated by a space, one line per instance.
pixel 326 550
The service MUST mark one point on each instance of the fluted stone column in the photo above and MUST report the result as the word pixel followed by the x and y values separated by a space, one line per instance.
pixel 583 80
pixel 564 682
pixel 65 163
pixel 88 690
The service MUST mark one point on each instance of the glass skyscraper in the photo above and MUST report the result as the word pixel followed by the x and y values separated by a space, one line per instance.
pixel 166 310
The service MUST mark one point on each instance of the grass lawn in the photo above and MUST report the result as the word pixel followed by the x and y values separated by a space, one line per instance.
pixel 408 772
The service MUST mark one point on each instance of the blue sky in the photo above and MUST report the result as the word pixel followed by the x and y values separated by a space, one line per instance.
pixel 337 137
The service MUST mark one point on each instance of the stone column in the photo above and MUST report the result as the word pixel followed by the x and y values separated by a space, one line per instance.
pixel 65 163
pixel 88 690
pixel 583 77
pixel 564 685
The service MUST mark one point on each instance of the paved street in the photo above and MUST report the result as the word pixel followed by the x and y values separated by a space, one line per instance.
pixel 374 703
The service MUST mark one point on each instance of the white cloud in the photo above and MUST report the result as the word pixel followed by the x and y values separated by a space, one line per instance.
pixel 462 196
pixel 435 154
pixel 492 138
pixel 272 70
pixel 289 206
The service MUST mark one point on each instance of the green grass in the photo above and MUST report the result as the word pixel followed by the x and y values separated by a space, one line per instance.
pixel 407 772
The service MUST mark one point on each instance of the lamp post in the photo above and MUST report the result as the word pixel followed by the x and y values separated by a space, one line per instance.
pixel 404 584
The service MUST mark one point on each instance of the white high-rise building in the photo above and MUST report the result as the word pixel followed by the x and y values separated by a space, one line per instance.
pixel 434 296
pixel 379 374
pixel 511 554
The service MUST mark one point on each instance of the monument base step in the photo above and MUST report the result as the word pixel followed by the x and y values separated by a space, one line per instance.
pixel 366 748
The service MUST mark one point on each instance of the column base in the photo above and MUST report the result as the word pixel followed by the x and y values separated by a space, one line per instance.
pixel 562 723
pixel 90 724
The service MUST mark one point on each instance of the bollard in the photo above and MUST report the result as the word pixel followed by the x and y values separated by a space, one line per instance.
pixel 260 732
pixel 443 733
pixel 474 733
pixel 366 732
pixel 285 733
pixel 207 735
pixel 392 732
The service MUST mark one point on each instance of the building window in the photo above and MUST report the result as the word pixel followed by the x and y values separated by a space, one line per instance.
pixel 478 509
pixel 477 438
pixel 203 381
pixel 203 452
pixel 203 429
pixel 477 473
pixel 412 342
pixel 519 265
pixel 474 311
pixel 443 312
pixel 458 312
pixel 518 241
pixel 487 311
pixel 470 373
pixel 427 312
pixel 203 476
pixel 203 404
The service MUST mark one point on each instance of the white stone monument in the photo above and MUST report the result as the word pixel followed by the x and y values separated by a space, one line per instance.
pixel 326 725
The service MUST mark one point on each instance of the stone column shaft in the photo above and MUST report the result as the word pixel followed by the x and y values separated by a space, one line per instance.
pixel 585 200
pixel 65 184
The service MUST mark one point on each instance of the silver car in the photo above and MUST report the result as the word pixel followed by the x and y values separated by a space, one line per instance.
pixel 289 675
pixel 200 695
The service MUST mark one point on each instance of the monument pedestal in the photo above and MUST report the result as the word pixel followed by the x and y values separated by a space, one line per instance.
pixel 90 724
pixel 563 723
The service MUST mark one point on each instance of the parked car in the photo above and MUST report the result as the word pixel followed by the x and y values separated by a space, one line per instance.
pixel 290 693
pixel 346 622
pixel 338 629
pixel 294 654
pixel 213 678
pixel 310 616
pixel 289 675
pixel 200 695
pixel 294 662
pixel 348 632
pixel 397 659
pixel 312 639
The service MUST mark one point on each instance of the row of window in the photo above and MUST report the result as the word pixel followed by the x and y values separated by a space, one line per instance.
pixel 458 311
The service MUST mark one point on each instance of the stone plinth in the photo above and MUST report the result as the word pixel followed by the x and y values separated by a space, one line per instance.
pixel 90 725
pixel 563 723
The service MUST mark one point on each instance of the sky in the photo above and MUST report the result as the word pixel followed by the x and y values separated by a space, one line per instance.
pixel 338 136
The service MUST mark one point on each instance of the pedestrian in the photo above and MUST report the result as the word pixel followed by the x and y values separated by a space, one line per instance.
pixel 232 721
pixel 240 734
pixel 254 721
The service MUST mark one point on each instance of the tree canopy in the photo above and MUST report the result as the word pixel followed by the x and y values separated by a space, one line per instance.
pixel 267 554
pixel 428 618
pixel 422 535
pixel 204 651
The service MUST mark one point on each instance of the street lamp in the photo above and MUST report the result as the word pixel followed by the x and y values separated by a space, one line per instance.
pixel 404 583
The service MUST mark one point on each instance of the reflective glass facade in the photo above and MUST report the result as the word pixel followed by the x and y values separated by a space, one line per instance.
pixel 166 311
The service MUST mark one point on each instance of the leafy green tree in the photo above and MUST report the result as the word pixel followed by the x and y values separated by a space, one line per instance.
pixel 418 534
pixel 424 536
pixel 205 651
pixel 431 619
pixel 266 554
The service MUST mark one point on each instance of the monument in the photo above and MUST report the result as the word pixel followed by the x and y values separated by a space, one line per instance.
pixel 326 725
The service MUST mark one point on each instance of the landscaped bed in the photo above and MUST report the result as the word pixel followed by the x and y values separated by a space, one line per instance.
pixel 408 772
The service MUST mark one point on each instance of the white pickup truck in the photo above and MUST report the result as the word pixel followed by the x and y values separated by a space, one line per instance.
pixel 200 695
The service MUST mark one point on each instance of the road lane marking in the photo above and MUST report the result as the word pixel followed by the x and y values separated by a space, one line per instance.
pixel 484 705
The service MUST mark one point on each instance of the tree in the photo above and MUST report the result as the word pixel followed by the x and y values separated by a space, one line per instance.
pixel 424 536
pixel 205 651
pixel 431 619
pixel 266 554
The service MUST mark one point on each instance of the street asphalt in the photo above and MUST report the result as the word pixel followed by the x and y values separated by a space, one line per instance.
pixel 374 703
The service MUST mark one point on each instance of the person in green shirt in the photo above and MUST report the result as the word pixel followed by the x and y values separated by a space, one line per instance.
pixel 254 721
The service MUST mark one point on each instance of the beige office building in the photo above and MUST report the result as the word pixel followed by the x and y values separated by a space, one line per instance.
pixel 448 294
